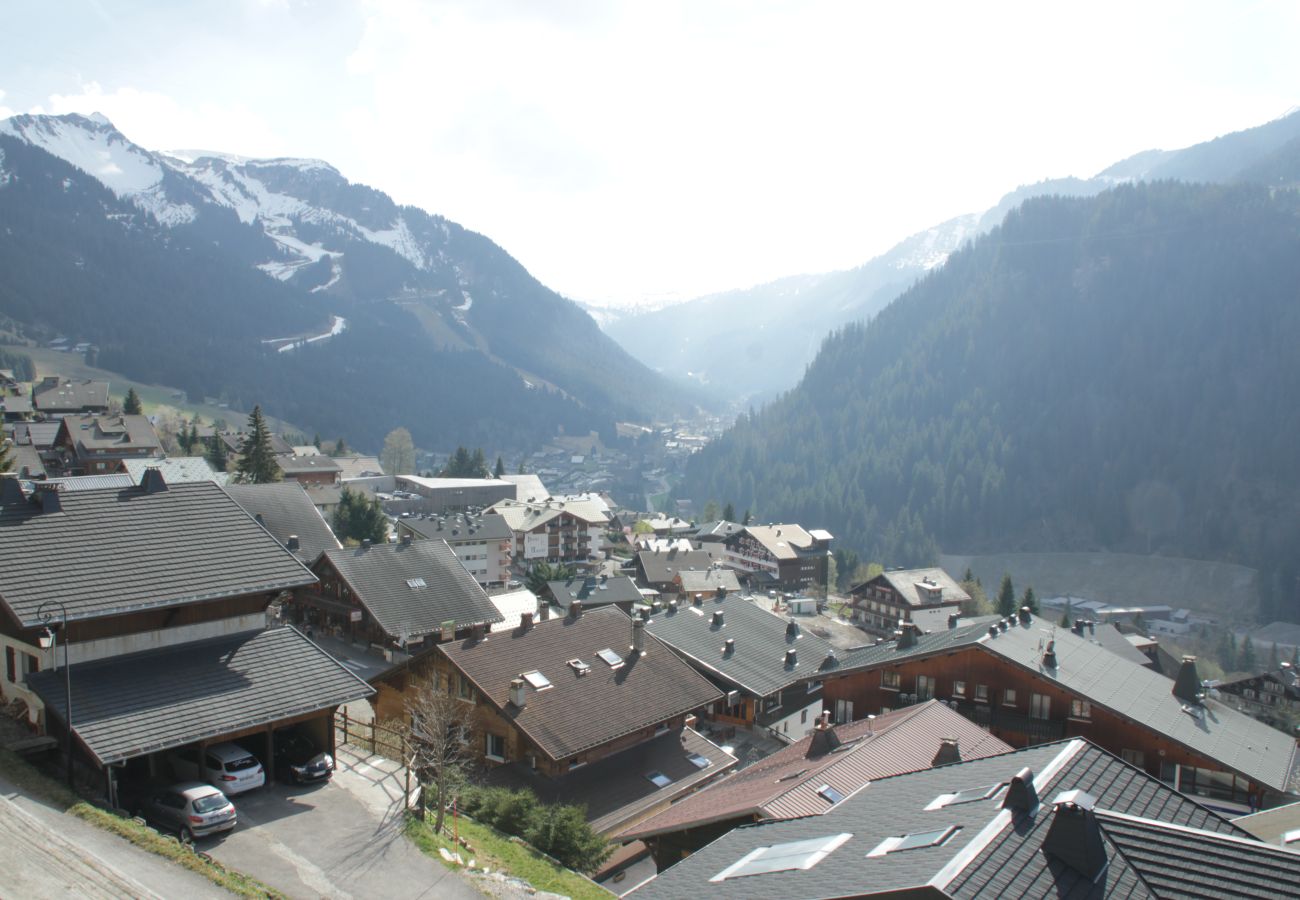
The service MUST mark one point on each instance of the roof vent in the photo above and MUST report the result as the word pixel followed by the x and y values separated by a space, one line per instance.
pixel 1004 624
pixel 1022 796
pixel 1074 837
pixel 638 636
pixel 728 646
pixel 717 618
pixel 1187 686
pixel 153 481
pixel 791 630
pixel 791 658
pixel 1026 616
pixel 949 752
pixel 1049 655
pixel 293 543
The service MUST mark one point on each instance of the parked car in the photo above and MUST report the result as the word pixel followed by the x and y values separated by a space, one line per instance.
pixel 191 809
pixel 227 766
pixel 298 760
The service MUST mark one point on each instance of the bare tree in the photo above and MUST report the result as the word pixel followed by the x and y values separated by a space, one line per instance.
pixel 440 753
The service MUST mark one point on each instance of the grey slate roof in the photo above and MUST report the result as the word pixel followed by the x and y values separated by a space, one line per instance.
pixel 379 576
pixel 113 551
pixel 55 394
pixel 158 699
pixel 40 435
pixel 694 581
pixel 995 853
pixel 594 591
pixel 297 465
pixel 284 509
pixel 117 434
pixel 718 530
pixel 660 567
pixel 177 469
pixel 71 483
pixel 581 712
pixel 1236 741
pixel 459 528
pixel 615 790
pixel 757 664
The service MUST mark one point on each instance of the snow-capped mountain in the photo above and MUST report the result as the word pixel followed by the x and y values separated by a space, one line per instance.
pixel 334 264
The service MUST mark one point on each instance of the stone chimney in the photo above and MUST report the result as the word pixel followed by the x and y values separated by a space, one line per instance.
pixel 544 610
pixel 905 636
pixel 699 599
pixel 1049 655
pixel 824 739
pixel 791 658
pixel 1187 686
pixel 1022 796
pixel 526 620
pixel 1074 836
pixel 293 543
pixel 728 646
pixel 953 619
pixel 575 609
pixel 791 630
pixel 717 618
pixel 518 693
pixel 949 752
pixel 153 481
pixel 638 636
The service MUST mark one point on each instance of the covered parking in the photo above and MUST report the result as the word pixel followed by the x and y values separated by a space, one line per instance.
pixel 129 710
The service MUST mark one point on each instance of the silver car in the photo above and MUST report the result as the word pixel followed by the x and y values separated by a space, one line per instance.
pixel 191 809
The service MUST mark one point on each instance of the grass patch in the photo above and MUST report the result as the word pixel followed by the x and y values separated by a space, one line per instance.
pixel 498 851
pixel 21 773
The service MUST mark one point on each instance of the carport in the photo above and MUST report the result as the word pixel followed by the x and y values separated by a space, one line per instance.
pixel 243 687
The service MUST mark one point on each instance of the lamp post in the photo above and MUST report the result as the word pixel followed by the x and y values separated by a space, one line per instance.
pixel 50 640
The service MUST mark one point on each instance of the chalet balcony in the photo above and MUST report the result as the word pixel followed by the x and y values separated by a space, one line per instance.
pixel 1001 720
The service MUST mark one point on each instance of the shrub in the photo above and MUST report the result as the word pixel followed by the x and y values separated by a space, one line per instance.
pixel 558 831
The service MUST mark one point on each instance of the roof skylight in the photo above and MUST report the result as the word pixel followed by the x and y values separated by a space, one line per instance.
pixel 914 841
pixel 700 762
pixel 539 681
pixel 782 857
pixel 969 795
pixel 830 793
pixel 659 779
pixel 610 657
pixel 415 583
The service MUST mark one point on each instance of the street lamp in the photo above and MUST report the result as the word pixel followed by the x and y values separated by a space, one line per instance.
pixel 50 640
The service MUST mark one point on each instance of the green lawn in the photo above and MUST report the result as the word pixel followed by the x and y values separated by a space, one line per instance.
pixel 499 852
pixel 21 773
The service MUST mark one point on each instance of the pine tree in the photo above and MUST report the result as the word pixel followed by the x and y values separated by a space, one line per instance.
pixel 1030 600
pixel 1246 659
pixel 1066 619
pixel 499 470
pixel 316 441
pixel 216 455
pixel 256 459
pixel 1006 597
pixel 521 470
pixel 729 512
pixel 359 518
pixel 745 523
pixel 1273 662
pixel 1228 652
pixel 132 405
pixel 340 448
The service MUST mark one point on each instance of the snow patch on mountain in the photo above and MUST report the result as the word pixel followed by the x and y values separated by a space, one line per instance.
pixel 336 272
pixel 4 176
pixel 338 325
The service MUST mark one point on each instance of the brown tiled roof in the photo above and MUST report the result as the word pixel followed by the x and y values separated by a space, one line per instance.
pixel 615 790
pixel 580 712
pixel 112 433
pixel 905 581
pixel 785 785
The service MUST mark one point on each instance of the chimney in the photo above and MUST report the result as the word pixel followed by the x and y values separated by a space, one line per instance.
pixel 905 636
pixel 1022 796
pixel 153 481
pixel 949 752
pixel 831 661
pixel 477 631
pixel 953 619
pixel 1049 655
pixel 544 610
pixel 791 658
pixel 575 609
pixel 1077 627
pixel 728 646
pixel 1074 837
pixel 10 490
pixel 293 543
pixel 638 636
pixel 365 543
pixel 699 599
pixel 1187 686
pixel 49 497
pixel 824 738
pixel 406 539
pixel 993 630
pixel 1092 627
pixel 1004 624
pixel 1025 615
pixel 722 592
pixel 791 630
pixel 717 618
pixel 518 692
pixel 526 620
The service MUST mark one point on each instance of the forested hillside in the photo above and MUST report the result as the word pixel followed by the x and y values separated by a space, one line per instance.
pixel 1116 372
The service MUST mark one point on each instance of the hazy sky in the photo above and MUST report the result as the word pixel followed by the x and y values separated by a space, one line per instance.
pixel 637 150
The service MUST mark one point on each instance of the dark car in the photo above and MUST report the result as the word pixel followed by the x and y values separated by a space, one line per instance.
pixel 189 808
pixel 298 760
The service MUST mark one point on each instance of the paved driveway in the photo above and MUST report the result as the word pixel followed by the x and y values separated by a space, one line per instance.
pixel 342 839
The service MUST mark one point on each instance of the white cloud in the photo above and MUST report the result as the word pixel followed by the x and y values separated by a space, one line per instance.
pixel 5 112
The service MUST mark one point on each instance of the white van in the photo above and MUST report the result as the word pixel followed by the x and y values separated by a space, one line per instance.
pixel 226 766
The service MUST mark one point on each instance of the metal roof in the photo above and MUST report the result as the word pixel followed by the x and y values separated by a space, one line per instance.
pixel 155 700
pixel 594 591
pixel 113 551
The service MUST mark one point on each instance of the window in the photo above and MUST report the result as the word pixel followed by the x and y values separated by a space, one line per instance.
pixel 982 693
pixel 659 779
pixel 465 689
pixel 782 857
pixel 829 793
pixel 1009 696
pixel 814 687
pixel 496 747
pixel 1134 758
pixel 924 688
pixel 843 711
pixel 959 689
pixel 415 583
pixel 700 762
pixel 11 665
pixel 539 681
pixel 914 841
pixel 661 728
pixel 612 659
pixel 1080 709
pixel 889 679
pixel 803 717
pixel 1040 706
